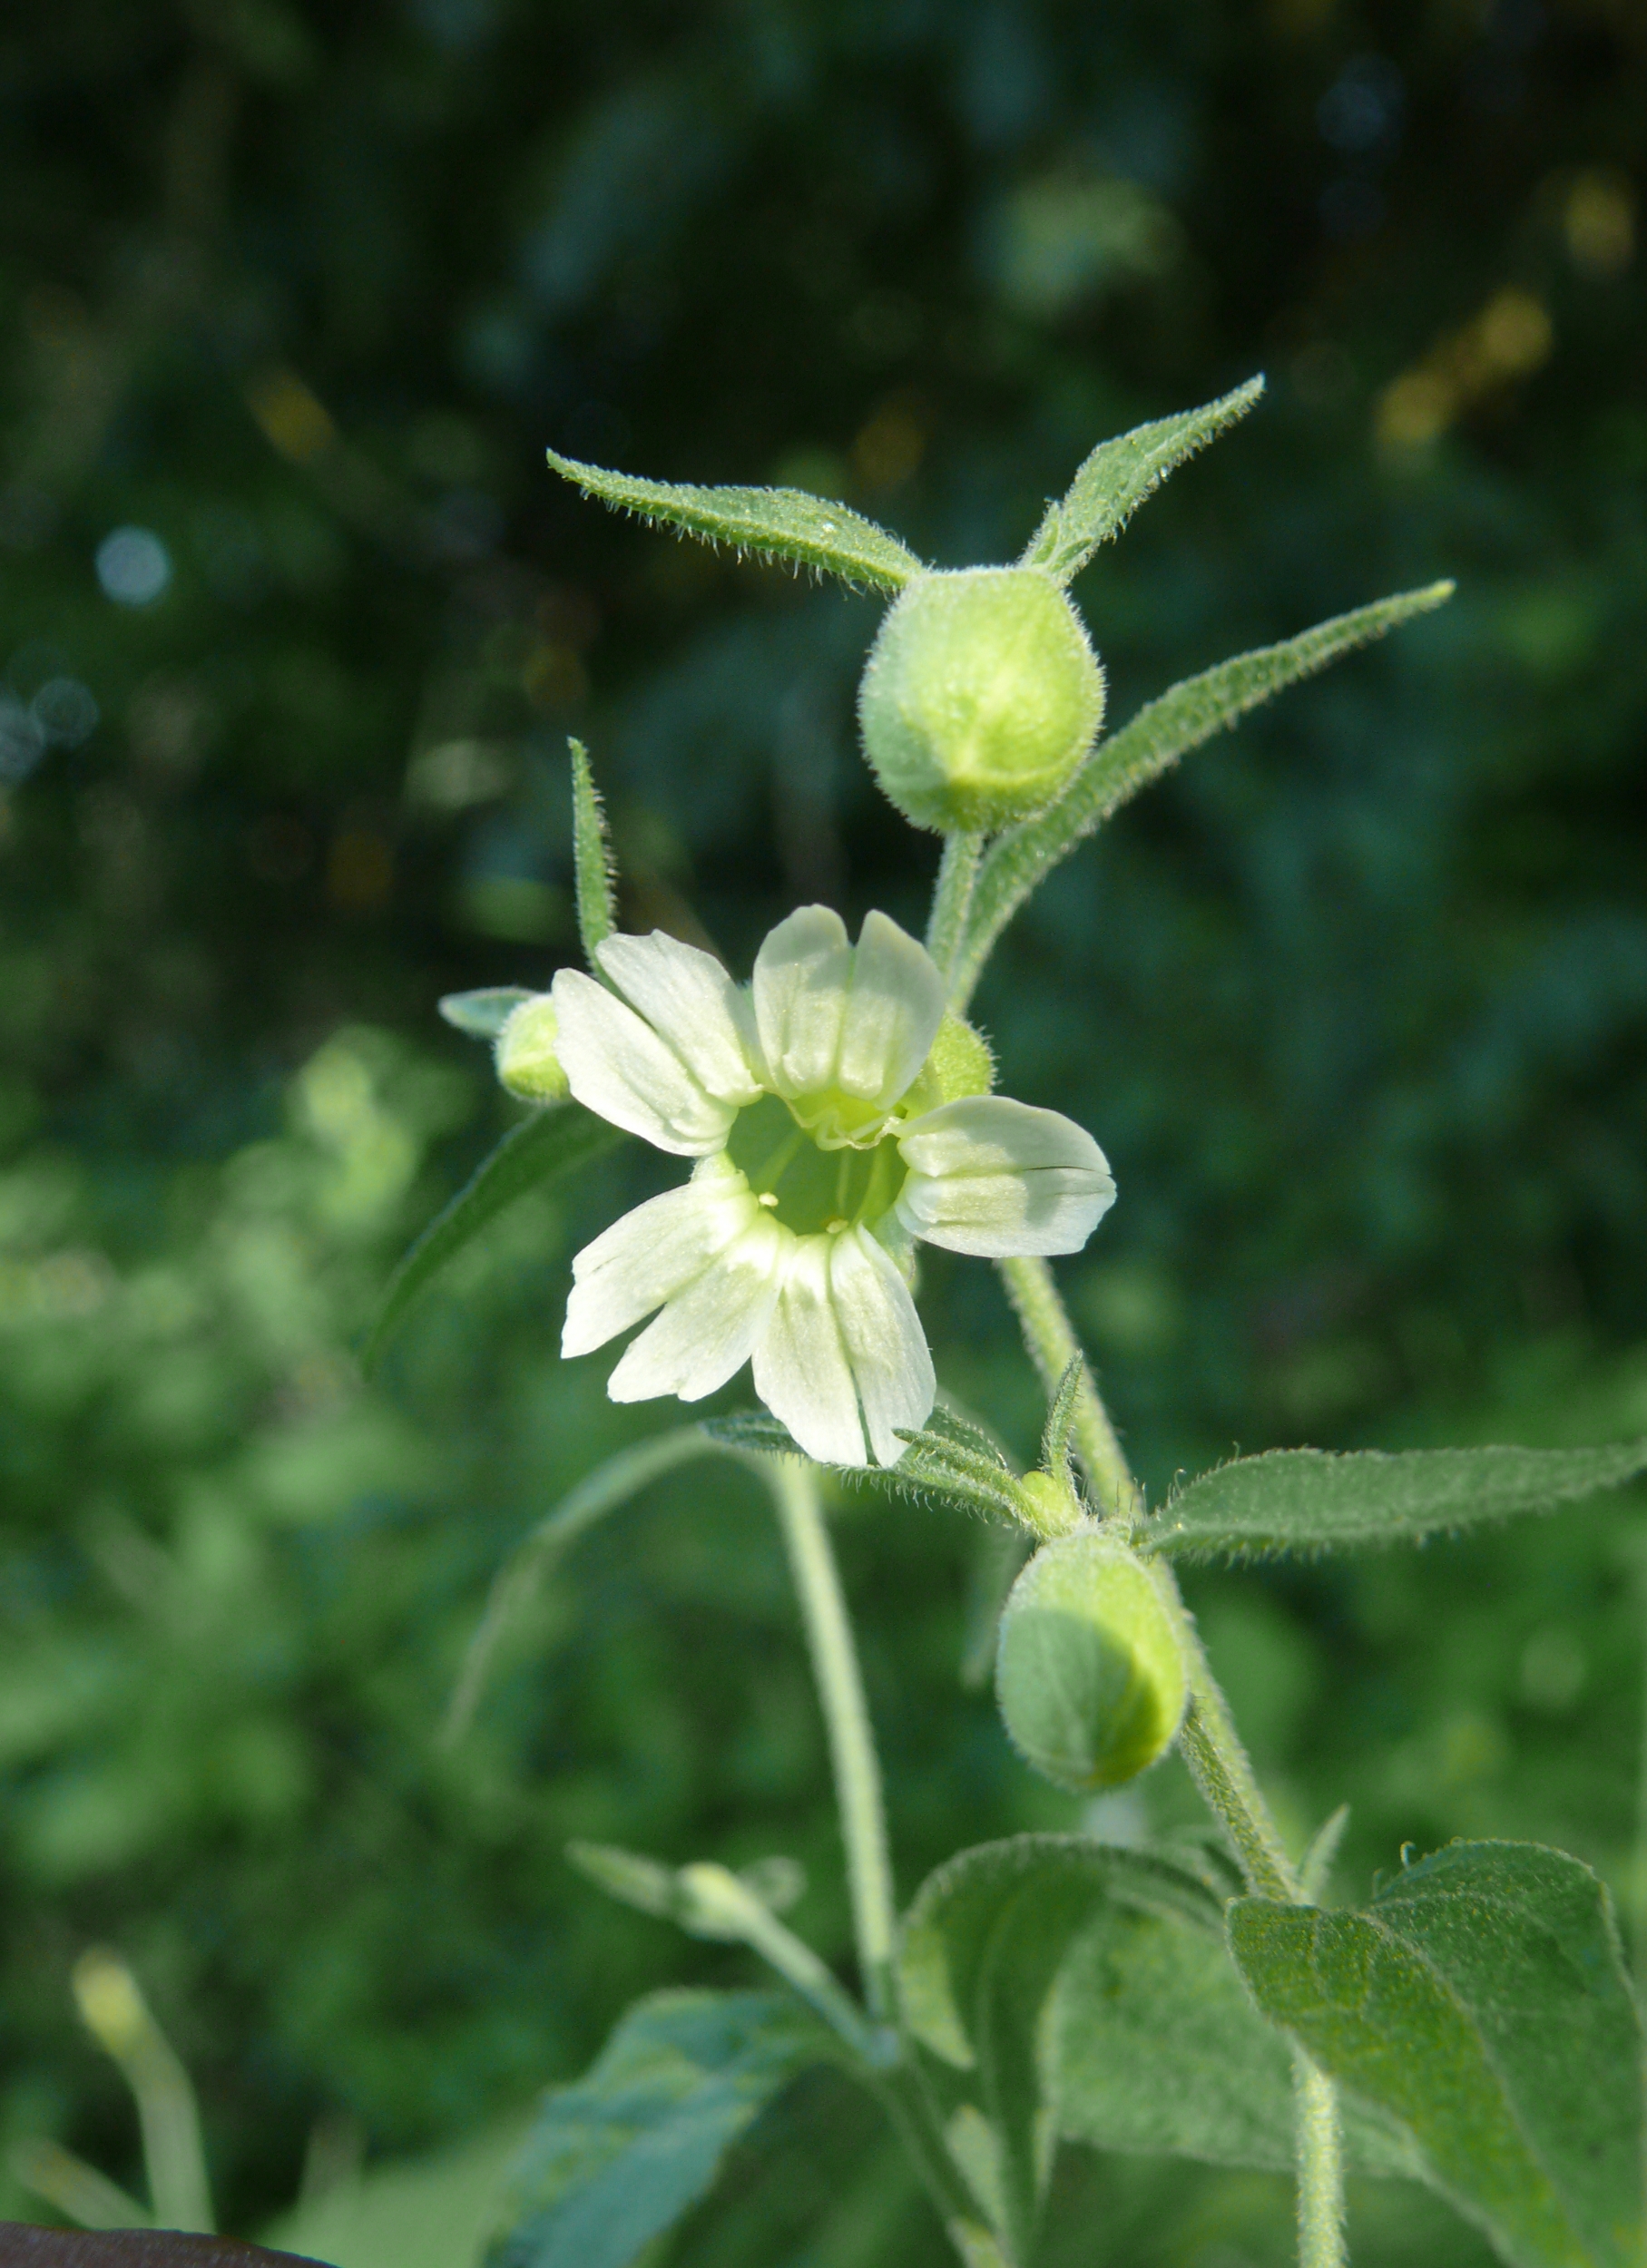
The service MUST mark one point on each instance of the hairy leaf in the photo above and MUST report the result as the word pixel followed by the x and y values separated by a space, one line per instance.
pixel 1085 1992
pixel 546 1147
pixel 1481 2000
pixel 1305 1500
pixel 482 1015
pixel 946 1459
pixel 1163 731
pixel 618 2156
pixel 775 522
pixel 592 858
pixel 1119 474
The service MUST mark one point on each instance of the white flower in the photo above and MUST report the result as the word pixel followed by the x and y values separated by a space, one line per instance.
pixel 818 1162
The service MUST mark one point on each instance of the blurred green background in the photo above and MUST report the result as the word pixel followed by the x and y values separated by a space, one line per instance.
pixel 294 626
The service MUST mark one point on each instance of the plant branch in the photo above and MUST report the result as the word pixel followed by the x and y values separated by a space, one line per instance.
pixel 1320 2168
pixel 858 1778
pixel 952 897
pixel 1053 1347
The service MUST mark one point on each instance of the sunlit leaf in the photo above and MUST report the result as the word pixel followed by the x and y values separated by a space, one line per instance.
pixel 1481 2000
pixel 1163 731
pixel 618 2155
pixel 1305 1500
pixel 545 1148
pixel 773 522
pixel 1119 474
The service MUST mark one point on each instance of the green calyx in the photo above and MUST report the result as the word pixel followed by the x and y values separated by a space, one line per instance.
pixel 981 698
pixel 1088 1674
pixel 526 1055
pixel 958 1064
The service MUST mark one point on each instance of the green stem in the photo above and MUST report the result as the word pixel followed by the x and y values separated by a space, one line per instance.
pixel 907 2103
pixel 1320 2168
pixel 736 1908
pixel 1210 1745
pixel 857 1779
pixel 1053 1347
pixel 952 897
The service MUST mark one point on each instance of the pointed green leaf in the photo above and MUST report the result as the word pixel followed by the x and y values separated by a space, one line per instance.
pixel 603 1491
pixel 593 865
pixel 482 1015
pixel 1481 2000
pixel 1163 731
pixel 1119 474
pixel 959 1464
pixel 546 1147
pixel 1305 1500
pixel 617 2158
pixel 1060 1419
pixel 774 523
pixel 1085 1989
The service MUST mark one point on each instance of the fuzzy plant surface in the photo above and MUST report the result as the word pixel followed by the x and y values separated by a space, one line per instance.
pixel 1470 2026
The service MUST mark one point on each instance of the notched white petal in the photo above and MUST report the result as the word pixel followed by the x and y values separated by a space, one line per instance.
pixel 618 1067
pixel 689 1000
pixel 894 1009
pixel 884 1343
pixel 800 987
pixel 998 1178
pixel 709 1330
pixel 801 1370
pixel 653 1253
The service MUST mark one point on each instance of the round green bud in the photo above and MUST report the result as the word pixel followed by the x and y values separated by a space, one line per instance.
pixel 1049 1504
pixel 1089 1673
pixel 981 697
pixel 526 1062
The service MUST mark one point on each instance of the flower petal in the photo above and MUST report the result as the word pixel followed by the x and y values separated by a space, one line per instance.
pixel 997 1178
pixel 893 1012
pixel 801 1370
pixel 801 975
pixel 653 1253
pixel 709 1330
pixel 617 1066
pixel 687 997
pixel 884 1343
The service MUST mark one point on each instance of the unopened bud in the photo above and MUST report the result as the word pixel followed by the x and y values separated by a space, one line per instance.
pixel 526 1062
pixel 981 697
pixel 1090 1676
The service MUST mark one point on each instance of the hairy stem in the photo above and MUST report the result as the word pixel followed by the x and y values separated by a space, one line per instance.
pixel 1053 1347
pixel 1211 1747
pixel 1320 2168
pixel 952 897
pixel 840 1689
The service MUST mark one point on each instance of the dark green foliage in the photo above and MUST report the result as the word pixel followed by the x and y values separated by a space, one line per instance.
pixel 1481 2000
pixel 617 2158
pixel 1354 999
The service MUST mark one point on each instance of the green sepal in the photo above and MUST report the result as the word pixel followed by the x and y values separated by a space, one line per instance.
pixel 947 1459
pixel 1480 2001
pixel 618 2156
pixel 547 1146
pixel 1309 1500
pixel 773 522
pixel 1117 477
pixel 482 1015
pixel 594 874
pixel 1164 730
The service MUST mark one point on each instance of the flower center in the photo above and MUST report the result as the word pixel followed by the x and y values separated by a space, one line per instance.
pixel 808 1190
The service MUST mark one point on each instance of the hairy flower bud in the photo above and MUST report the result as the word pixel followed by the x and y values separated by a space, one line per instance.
pixel 981 697
pixel 1089 1675
pixel 527 1063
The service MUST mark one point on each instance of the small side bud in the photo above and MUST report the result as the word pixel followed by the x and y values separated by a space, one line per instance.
pixel 526 1062
pixel 1088 1674
pixel 1048 1503
pixel 981 697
